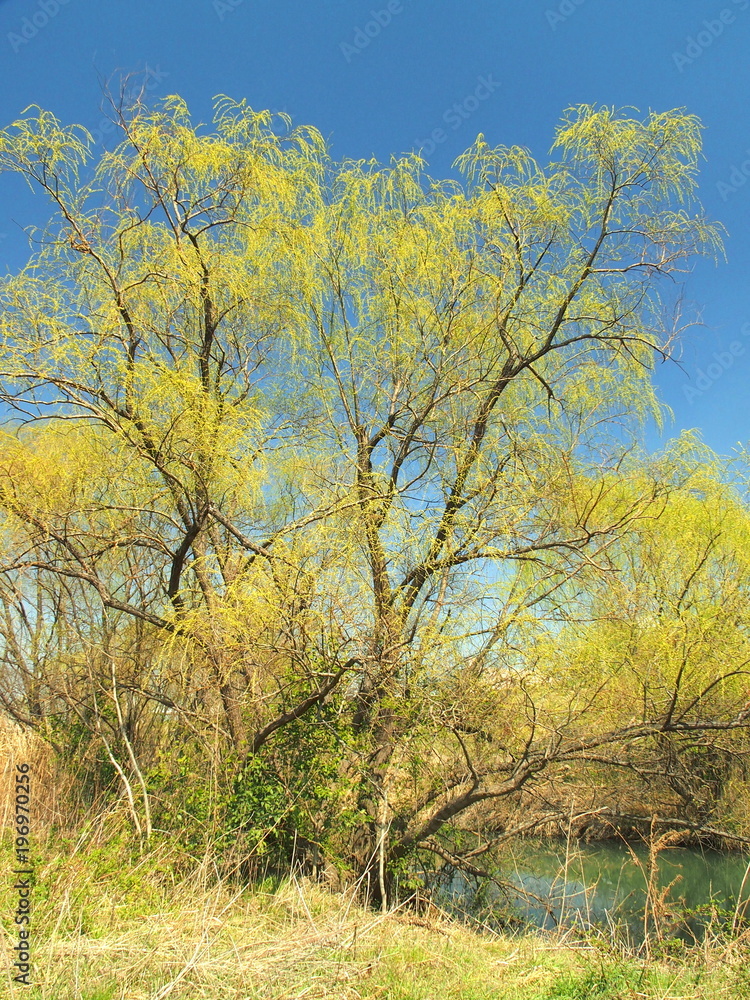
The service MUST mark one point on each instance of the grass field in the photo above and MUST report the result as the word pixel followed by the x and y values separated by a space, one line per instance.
pixel 108 929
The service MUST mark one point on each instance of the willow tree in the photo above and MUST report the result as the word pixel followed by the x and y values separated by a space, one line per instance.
pixel 351 432
pixel 662 636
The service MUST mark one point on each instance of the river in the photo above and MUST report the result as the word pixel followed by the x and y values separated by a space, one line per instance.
pixel 552 885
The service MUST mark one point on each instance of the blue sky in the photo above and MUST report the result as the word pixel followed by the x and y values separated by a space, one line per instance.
pixel 387 76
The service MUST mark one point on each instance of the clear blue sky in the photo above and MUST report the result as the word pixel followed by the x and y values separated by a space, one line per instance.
pixel 380 77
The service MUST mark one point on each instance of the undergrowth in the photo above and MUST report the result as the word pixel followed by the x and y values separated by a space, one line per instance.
pixel 109 924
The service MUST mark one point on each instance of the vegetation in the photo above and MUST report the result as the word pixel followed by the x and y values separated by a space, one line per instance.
pixel 115 926
pixel 327 532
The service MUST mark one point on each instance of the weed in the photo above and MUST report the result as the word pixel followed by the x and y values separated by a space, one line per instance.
pixel 110 925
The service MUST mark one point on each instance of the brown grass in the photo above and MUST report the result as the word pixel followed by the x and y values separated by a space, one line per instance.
pixel 106 929
pixel 110 924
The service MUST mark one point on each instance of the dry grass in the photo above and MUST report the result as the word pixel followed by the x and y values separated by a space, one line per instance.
pixel 110 925
pixel 50 793
pixel 108 930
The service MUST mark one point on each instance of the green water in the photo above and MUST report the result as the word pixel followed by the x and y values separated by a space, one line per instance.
pixel 551 885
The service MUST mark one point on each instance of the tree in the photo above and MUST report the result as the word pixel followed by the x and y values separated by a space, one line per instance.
pixel 353 435
pixel 660 640
pixel 668 638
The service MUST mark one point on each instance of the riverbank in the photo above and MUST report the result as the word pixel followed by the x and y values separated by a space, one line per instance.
pixel 104 930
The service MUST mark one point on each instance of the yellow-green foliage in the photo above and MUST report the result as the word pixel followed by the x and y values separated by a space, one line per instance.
pixel 342 446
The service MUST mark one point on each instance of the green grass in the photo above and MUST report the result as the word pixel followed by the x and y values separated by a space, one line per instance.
pixel 110 927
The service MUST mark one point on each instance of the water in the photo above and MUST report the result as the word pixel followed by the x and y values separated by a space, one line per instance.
pixel 601 886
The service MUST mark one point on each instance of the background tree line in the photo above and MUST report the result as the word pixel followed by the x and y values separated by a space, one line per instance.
pixel 326 520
